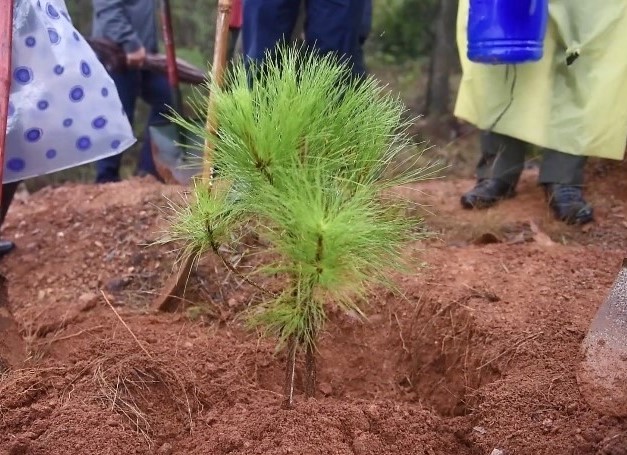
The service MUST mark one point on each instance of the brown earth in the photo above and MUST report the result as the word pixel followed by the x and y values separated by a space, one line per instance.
pixel 478 353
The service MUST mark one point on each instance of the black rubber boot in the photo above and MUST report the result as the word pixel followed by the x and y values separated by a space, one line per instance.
pixel 486 193
pixel 568 204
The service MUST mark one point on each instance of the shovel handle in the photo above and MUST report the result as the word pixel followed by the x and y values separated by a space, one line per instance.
pixel 170 52
pixel 6 36
pixel 219 65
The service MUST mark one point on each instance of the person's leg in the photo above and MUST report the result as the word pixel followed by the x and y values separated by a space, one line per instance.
pixel 334 26
pixel 562 168
pixel 499 168
pixel 502 158
pixel 156 92
pixel 8 192
pixel 127 84
pixel 364 32
pixel 265 24
pixel 562 176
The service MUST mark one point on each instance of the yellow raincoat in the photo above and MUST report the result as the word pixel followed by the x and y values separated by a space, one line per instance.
pixel 579 108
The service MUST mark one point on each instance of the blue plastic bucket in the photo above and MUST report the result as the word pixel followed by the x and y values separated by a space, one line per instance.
pixel 506 31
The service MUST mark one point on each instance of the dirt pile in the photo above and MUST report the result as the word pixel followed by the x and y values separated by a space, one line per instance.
pixel 478 353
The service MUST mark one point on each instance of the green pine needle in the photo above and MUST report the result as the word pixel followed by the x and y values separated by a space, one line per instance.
pixel 310 156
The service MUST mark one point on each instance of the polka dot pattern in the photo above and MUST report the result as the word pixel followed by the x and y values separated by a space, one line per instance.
pixel 54 36
pixel 99 122
pixel 77 94
pixel 23 75
pixel 16 164
pixel 63 107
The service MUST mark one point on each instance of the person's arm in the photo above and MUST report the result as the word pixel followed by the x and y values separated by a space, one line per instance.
pixel 116 26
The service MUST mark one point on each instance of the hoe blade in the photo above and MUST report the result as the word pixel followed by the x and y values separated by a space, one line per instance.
pixel 602 375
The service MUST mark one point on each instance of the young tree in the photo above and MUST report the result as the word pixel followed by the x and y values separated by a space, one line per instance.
pixel 309 159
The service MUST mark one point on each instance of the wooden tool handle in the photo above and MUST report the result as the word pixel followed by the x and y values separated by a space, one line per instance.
pixel 219 65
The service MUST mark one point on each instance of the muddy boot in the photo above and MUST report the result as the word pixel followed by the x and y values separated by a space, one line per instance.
pixel 12 349
pixel 568 204
pixel 486 193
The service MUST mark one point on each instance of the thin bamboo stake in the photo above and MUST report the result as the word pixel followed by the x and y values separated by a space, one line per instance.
pixel 220 53
pixel 168 299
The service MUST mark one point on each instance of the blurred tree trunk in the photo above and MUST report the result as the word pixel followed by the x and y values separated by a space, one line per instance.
pixel 443 60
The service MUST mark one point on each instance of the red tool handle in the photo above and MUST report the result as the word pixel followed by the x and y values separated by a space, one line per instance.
pixel 6 35
pixel 170 53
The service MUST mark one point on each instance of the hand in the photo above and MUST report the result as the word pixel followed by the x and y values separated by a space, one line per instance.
pixel 136 59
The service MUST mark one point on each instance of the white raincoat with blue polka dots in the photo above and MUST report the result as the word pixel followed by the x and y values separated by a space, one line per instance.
pixel 64 109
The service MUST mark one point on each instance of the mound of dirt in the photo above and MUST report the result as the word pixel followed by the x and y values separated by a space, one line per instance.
pixel 477 354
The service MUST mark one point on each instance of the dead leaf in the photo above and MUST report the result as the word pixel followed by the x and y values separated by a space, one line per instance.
pixel 517 239
pixel 540 237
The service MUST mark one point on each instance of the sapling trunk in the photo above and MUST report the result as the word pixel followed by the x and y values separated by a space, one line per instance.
pixel 310 352
pixel 310 371
pixel 290 372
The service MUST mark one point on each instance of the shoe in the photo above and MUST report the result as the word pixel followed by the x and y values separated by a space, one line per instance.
pixel 486 193
pixel 568 204
pixel 6 246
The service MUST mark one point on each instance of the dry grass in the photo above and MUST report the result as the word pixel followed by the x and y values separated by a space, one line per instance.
pixel 131 385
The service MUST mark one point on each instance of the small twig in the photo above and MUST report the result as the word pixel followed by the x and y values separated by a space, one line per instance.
pixel 400 334
pixel 80 332
pixel 513 348
pixel 124 324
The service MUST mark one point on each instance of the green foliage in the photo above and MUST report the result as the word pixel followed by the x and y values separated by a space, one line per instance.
pixel 402 29
pixel 307 158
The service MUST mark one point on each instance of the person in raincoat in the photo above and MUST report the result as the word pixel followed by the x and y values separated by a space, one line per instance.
pixel 572 104
pixel 64 109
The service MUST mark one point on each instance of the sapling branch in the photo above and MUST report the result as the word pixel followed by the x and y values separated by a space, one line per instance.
pixel 216 250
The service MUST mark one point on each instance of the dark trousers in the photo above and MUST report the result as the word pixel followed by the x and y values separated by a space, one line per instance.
pixel 154 89
pixel 8 191
pixel 503 158
pixel 364 32
pixel 332 26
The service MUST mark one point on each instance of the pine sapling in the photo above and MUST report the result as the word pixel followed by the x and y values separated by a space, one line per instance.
pixel 309 159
